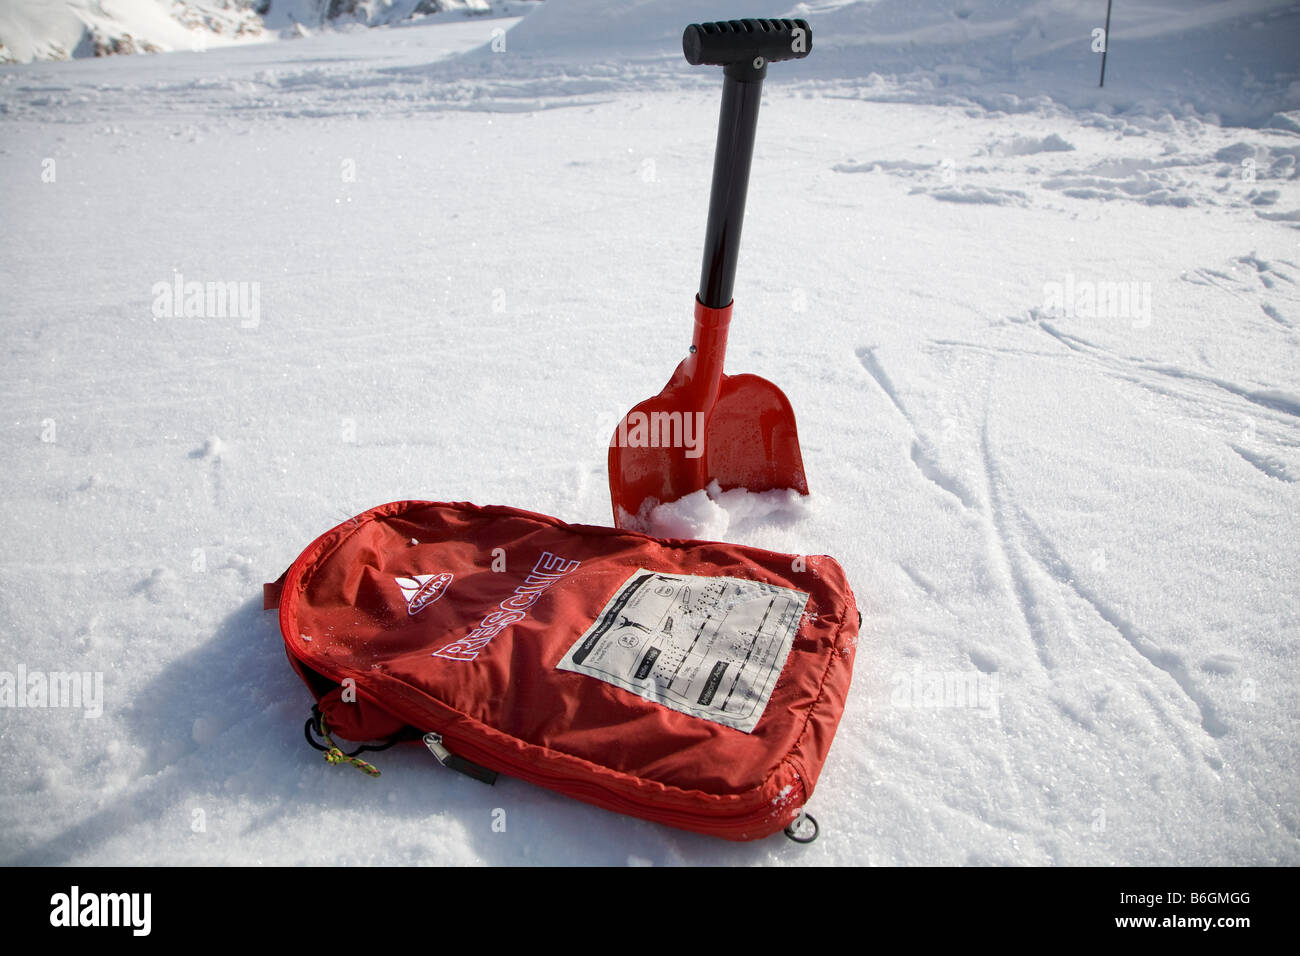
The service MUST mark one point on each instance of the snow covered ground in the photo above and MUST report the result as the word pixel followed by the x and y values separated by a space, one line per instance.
pixel 1043 342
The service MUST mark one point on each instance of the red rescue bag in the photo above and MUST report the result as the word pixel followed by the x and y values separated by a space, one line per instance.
pixel 693 683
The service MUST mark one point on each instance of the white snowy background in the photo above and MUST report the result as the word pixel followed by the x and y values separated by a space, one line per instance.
pixel 476 240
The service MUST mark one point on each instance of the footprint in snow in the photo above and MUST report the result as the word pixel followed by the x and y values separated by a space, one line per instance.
pixel 1029 145
pixel 977 195
pixel 1224 662
pixel 213 448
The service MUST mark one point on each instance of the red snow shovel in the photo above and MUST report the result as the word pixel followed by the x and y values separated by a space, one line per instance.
pixel 737 430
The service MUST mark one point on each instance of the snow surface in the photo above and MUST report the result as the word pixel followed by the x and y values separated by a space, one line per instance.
pixel 1071 528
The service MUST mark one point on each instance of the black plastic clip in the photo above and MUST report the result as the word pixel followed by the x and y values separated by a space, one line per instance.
pixel 799 831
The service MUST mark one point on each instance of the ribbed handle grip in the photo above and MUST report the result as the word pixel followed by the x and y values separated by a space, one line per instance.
pixel 727 42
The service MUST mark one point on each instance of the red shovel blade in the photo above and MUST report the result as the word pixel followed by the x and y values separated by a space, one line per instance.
pixel 737 430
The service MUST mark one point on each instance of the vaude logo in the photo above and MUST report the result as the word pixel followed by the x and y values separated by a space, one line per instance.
pixel 421 590
pixel 102 909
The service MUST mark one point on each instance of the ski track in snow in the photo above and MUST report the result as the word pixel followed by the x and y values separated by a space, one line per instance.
pixel 1273 400
pixel 1020 547
pixel 1167 661
pixel 1011 558
pixel 1010 546
pixel 922 453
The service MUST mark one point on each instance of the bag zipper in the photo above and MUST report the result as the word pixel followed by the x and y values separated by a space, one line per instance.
pixel 452 762
pixel 762 818
pixel 472 760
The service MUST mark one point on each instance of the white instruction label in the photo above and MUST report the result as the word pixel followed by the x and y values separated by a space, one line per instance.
pixel 710 647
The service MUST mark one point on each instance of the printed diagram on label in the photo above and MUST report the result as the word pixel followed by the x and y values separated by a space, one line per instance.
pixel 712 647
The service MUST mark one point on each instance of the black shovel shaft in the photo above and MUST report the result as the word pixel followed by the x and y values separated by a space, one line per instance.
pixel 743 48
pixel 737 125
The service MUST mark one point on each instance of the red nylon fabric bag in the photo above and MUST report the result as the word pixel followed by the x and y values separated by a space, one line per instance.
pixel 456 619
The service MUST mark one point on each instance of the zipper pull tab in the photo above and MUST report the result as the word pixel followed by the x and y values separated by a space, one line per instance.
pixel 459 764
pixel 434 743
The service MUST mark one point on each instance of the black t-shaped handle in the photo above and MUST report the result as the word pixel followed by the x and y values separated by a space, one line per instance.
pixel 745 47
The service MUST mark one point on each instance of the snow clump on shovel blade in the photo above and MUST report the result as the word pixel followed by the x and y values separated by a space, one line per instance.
pixel 709 513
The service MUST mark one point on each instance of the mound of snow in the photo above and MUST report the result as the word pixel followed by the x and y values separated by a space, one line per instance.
pixel 710 513
pixel 59 29
pixel 47 30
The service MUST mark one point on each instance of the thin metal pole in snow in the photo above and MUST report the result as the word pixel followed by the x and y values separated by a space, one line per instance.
pixel 1105 45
